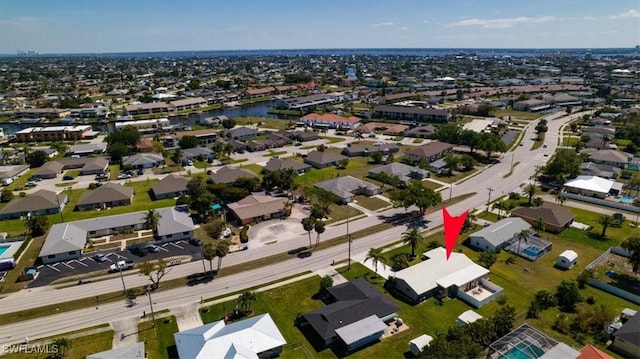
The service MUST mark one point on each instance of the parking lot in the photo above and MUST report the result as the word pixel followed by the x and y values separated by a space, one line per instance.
pixel 48 273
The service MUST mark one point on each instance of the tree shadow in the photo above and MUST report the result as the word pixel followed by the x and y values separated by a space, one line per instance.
pixel 200 278
pixel 596 236
pixel 401 218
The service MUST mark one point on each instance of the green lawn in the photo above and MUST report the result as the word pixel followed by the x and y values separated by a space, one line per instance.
pixel 160 342
pixel 264 122
pixel 18 183
pixel 371 203
pixel 339 213
pixel 358 167
pixel 272 153
pixel 514 114
pixel 430 184
pixel 80 347
pixel 283 304
pixel 332 139
pixel 257 169
pixel 457 175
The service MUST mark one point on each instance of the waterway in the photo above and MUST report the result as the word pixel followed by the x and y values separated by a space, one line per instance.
pixel 253 110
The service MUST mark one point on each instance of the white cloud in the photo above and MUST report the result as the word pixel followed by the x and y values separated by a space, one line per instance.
pixel 388 23
pixel 588 18
pixel 504 22
pixel 633 13
pixel 404 28
pixel 426 21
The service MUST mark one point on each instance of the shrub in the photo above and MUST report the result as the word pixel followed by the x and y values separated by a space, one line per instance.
pixel 244 237
pixel 591 300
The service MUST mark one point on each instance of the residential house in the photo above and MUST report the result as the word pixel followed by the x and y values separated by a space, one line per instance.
pixel 95 165
pixel 356 316
pixel 228 174
pixel 346 187
pixel 386 128
pixel 170 186
pixel 143 160
pixel 428 131
pixel 330 120
pixel 146 145
pixel 48 170
pixel 66 241
pixel 55 133
pixel 498 235
pixel 257 208
pixel 39 203
pixel 600 170
pixel 402 172
pixel 239 147
pixel 253 146
pixel 407 113
pixel 255 337
pixel 109 195
pixel 146 108
pixel 593 186
pixel 304 136
pixel 87 149
pixel 129 351
pixel 146 126
pixel 275 164
pixel 627 338
pixel 591 352
pixel 10 173
pixel 611 157
pixel 303 102
pixel 555 217
pixel 457 276
pixel 439 166
pixel 528 342
pixel 188 103
pixel 533 105
pixel 364 149
pixel 323 159
pixel 198 153
pixel 243 133
pixel 429 152
pixel 206 137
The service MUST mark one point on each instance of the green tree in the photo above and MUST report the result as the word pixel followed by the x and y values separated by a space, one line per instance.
pixel 413 237
pixel 343 163
pixel 451 161
pixel 400 261
pixel 62 344
pixel 6 195
pixel 229 123
pixel 188 142
pixel 176 157
pixel 531 191
pixel 415 194
pixel 309 224
pixel 539 225
pixel 117 151
pixel 503 320
pixel 523 235
pixel 36 158
pixel 319 228
pixel 214 229
pixel 376 257
pixel 565 164
pixel 568 295
pixel 376 157
pixel 196 187
pixel 37 225
pixel 245 299
pixel 605 221
pixel 208 253
pixel 487 259
pixel 632 245
pixel 152 220
pixel 222 249
pixel 202 205
pixel 544 299
pixel 155 271
pixel 326 282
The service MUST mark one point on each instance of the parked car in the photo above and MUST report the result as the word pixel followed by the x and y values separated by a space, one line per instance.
pixel 31 184
pixel 152 248
pixel 124 176
pixel 195 242
pixel 99 257
pixel 304 254
pixel 140 171
pixel 68 178
pixel 101 176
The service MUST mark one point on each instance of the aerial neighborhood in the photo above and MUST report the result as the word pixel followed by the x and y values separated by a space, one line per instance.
pixel 271 205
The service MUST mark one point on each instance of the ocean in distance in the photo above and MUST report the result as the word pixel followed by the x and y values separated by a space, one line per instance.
pixel 598 52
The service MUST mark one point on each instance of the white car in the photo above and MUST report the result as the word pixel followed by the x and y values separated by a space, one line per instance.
pixel 124 176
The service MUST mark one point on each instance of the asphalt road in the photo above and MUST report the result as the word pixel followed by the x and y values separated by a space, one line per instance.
pixel 492 177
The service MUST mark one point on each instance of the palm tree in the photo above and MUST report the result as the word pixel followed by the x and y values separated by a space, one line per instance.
pixel 176 157
pixel 208 253
pixel 412 237
pixel 319 228
pixel 63 345
pixel 222 249
pixel 523 235
pixel 605 220
pixel 151 220
pixel 309 224
pixel 451 162
pixel 560 198
pixel 286 208
pixel 539 225
pixel 375 255
pixel 245 299
pixel 531 191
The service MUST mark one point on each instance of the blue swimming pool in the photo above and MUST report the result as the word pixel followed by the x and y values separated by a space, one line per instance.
pixel 532 251
pixel 625 199
pixel 523 350
pixel 4 248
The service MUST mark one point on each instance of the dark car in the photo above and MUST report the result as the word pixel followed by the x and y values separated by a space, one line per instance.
pixel 304 254
pixel 68 178
pixel 99 257
pixel 297 250
pixel 195 242
pixel 139 250
pixel 152 248
pixel 140 171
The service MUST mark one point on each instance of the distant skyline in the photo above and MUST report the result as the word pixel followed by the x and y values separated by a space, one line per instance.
pixel 72 26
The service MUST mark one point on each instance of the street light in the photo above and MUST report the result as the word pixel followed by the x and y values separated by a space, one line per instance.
pixel 153 317
pixel 124 288
pixel 349 240
pixel 489 200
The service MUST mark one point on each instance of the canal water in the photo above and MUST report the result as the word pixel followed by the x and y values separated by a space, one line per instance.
pixel 252 110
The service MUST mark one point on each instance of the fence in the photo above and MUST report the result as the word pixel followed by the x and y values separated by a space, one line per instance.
pixel 601 202
pixel 596 283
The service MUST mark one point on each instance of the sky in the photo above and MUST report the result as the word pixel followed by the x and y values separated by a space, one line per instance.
pixel 90 26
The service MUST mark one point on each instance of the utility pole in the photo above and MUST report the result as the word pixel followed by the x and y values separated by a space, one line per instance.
pixel 489 200
pixel 349 241
pixel 124 288
pixel 450 191
pixel 153 316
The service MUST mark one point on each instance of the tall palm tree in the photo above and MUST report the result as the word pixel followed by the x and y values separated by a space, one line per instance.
pixel 539 224
pixel 286 208
pixel 309 224
pixel 319 228
pixel 63 345
pixel 412 237
pixel 376 257
pixel 451 162
pixel 208 253
pixel 605 220
pixel 245 299
pixel 560 198
pixel 152 220
pixel 523 235
pixel 531 191
pixel 222 249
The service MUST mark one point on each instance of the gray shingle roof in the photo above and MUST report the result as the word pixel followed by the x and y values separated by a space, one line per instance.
pixel 142 158
pixel 344 187
pixel 229 174
pixel 502 231
pixel 49 168
pixel 275 164
pixel 37 201
pixel 110 192
pixel 170 184
pixel 324 157
pixel 95 164
pixel 402 171
pixel 430 149
pixel 257 205
pixel 66 237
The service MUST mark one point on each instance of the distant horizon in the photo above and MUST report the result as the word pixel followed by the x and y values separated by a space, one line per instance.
pixel 30 53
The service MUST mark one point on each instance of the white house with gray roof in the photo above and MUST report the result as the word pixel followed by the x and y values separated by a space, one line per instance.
pixel 396 169
pixel 498 234
pixel 66 241
pixel 346 187
pixel 143 160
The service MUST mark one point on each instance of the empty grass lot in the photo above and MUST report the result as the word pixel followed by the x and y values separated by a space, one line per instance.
pixel 160 342
pixel 80 346
pixel 514 114
pixel 340 212
pixel 371 203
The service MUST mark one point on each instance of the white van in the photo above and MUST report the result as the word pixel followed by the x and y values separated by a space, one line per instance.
pixel 7 181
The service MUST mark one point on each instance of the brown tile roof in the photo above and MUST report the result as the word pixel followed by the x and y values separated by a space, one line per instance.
pixel 257 205
pixel 430 149
pixel 275 164
pixel 551 214
pixel 591 352
pixel 170 184
pixel 229 174
pixel 324 157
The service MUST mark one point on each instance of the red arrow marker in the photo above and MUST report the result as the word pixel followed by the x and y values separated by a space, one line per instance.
pixel 452 228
